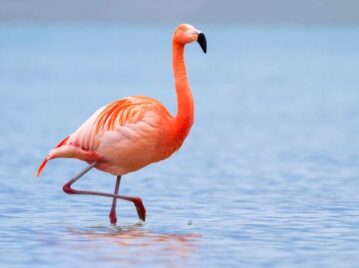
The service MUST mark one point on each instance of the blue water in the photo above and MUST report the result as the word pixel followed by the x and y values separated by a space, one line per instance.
pixel 268 176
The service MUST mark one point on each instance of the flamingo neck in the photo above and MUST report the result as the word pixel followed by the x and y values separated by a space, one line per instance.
pixel 185 107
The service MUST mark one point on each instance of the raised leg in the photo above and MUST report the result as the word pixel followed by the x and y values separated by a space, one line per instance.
pixel 141 211
pixel 113 218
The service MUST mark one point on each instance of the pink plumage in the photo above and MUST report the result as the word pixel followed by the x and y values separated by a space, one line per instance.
pixel 133 132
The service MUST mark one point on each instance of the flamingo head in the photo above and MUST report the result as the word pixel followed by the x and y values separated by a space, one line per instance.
pixel 186 34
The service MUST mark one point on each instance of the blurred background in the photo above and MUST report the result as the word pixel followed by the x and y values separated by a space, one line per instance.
pixel 268 176
pixel 200 11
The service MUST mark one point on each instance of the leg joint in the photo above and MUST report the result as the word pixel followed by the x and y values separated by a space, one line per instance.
pixel 137 201
pixel 67 189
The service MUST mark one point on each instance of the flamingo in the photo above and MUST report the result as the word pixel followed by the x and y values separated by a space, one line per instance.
pixel 133 132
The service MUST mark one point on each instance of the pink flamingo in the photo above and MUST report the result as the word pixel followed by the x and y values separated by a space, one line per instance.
pixel 133 132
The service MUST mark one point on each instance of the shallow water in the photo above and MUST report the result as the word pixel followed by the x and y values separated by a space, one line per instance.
pixel 267 178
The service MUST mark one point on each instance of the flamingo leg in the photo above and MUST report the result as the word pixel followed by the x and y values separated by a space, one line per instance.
pixel 113 218
pixel 141 211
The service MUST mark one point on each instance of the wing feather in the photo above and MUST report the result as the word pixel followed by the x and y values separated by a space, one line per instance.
pixel 116 114
pixel 122 112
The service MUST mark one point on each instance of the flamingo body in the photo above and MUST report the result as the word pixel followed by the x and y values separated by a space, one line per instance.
pixel 123 136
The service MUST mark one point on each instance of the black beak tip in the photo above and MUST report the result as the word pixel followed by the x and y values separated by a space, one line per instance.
pixel 202 42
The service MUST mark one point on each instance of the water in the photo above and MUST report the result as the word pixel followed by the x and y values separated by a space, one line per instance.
pixel 267 178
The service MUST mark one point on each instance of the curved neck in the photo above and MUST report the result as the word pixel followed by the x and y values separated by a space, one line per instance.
pixel 185 106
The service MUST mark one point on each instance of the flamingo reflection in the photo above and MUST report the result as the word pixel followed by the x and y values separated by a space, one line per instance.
pixel 138 246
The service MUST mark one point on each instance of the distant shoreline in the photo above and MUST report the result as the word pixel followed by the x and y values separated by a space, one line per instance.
pixel 256 12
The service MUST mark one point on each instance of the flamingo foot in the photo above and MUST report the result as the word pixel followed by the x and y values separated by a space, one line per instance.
pixel 113 218
pixel 141 211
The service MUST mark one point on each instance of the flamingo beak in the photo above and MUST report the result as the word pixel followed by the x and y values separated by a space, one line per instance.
pixel 202 42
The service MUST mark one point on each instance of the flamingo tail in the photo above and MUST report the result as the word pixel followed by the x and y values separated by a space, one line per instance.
pixel 44 162
pixel 68 151
pixel 42 165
